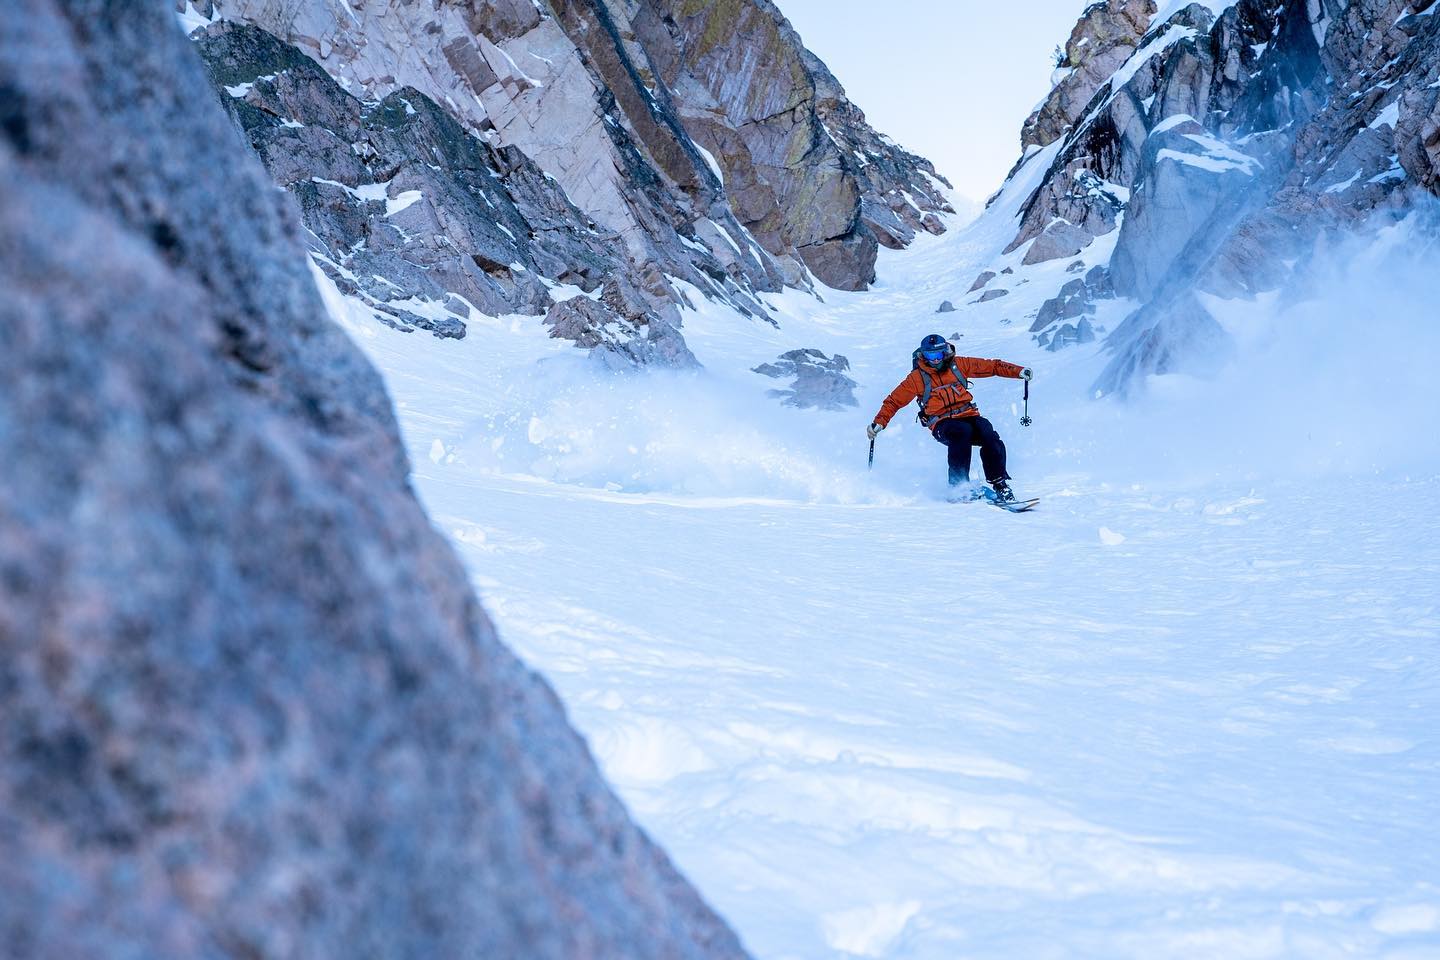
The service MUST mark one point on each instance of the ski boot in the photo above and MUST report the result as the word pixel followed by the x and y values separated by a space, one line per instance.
pixel 1003 493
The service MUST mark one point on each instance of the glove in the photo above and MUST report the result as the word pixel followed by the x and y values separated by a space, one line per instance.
pixel 1027 374
pixel 873 430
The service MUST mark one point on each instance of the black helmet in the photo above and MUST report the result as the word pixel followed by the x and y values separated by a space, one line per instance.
pixel 934 349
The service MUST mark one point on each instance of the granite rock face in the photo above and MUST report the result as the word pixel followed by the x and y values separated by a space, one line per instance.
pixel 702 137
pixel 250 706
pixel 1106 36
pixel 412 214
pixel 1219 151
pixel 806 174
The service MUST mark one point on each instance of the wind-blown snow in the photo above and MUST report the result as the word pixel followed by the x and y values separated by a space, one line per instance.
pixel 1185 709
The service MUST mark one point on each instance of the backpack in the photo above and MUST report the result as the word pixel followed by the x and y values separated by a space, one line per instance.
pixel 924 399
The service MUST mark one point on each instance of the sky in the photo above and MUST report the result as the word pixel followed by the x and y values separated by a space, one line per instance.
pixel 952 80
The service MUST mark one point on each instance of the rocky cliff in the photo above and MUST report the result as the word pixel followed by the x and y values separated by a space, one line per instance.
pixel 248 705
pixel 451 157
pixel 1205 148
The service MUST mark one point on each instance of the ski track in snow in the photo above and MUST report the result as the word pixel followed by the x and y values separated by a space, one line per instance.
pixel 1153 718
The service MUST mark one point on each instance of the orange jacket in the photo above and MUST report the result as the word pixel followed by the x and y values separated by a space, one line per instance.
pixel 949 393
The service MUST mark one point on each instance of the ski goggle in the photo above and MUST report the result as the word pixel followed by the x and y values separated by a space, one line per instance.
pixel 933 356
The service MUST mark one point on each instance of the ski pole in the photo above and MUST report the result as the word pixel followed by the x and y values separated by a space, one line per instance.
pixel 872 453
pixel 1025 420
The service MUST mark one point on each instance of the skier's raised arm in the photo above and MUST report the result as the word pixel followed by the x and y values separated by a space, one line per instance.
pixel 974 367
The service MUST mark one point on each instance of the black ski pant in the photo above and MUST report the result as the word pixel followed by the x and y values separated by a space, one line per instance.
pixel 959 434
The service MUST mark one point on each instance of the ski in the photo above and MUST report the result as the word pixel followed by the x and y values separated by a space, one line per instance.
pixel 1015 506
pixel 987 496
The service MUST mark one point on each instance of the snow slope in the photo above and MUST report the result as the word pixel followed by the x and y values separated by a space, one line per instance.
pixel 1186 708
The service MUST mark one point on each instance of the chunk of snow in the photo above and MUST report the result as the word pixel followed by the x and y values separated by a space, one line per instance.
pixel 1171 122
pixel 191 19
pixel 1390 116
pixel 693 244
pixel 729 238
pixel 1346 185
pixel 241 90
pixel 714 164
pixel 404 201
pixel 373 191
pixel 516 67
pixel 1202 161
pixel 1110 538
pixel 1217 158
pixel 560 292
pixel 1221 150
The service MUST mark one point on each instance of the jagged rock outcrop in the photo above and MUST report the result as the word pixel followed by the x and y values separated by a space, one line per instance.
pixel 801 168
pixel 408 212
pixel 1104 38
pixel 819 381
pixel 702 136
pixel 1219 152
pixel 250 706
pixel 619 329
pixel 554 111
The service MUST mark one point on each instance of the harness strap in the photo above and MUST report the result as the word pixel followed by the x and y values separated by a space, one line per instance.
pixel 930 422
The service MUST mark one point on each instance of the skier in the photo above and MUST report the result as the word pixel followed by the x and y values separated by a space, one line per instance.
pixel 938 380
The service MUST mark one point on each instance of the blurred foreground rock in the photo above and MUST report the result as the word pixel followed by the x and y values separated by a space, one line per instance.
pixel 249 706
